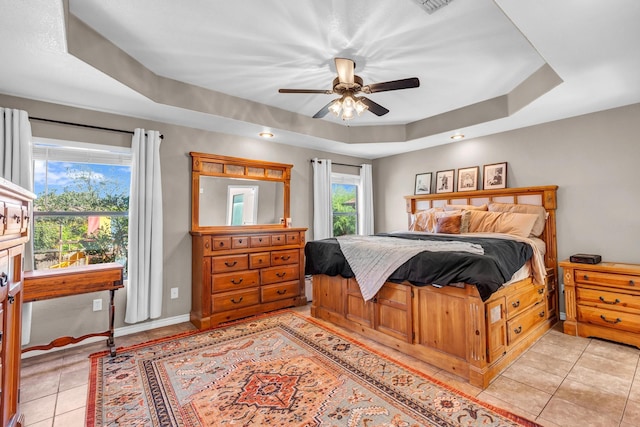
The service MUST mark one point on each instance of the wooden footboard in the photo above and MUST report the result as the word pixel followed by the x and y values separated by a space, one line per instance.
pixel 449 327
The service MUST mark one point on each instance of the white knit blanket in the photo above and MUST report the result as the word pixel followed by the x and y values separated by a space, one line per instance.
pixel 373 258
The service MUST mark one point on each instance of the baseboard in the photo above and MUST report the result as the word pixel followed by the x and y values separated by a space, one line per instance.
pixel 118 332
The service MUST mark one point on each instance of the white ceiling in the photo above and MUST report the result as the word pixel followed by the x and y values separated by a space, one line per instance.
pixel 243 51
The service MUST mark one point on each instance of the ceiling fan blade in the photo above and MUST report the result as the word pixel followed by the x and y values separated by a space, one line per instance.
pixel 323 111
pixel 374 107
pixel 345 68
pixel 392 85
pixel 327 92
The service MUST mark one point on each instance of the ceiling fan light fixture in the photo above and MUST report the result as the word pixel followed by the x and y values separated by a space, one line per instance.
pixel 360 107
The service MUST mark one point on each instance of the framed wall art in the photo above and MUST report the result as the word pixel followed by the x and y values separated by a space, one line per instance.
pixel 444 181
pixel 423 183
pixel 468 178
pixel 495 176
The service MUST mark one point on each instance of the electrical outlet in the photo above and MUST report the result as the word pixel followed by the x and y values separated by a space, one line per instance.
pixel 97 304
pixel 174 293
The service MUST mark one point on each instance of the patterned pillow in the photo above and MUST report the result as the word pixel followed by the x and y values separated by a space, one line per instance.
pixel 449 224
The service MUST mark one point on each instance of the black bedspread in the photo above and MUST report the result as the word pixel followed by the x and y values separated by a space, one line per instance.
pixel 501 259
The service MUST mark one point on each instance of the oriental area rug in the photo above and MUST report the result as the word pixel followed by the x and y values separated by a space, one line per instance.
pixel 281 369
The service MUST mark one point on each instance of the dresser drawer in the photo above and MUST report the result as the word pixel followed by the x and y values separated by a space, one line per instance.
pixel 220 243
pixel 285 257
pixel 13 219
pixel 236 280
pixel 260 241
pixel 522 324
pixel 224 264
pixel 609 318
pixel 609 300
pixel 260 260
pixel 239 242
pixel 524 299
pixel 234 300
pixel 278 239
pixel 280 291
pixel 279 274
pixel 292 238
pixel 622 281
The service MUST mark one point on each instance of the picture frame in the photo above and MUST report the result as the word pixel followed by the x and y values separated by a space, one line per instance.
pixel 468 178
pixel 495 175
pixel 445 181
pixel 423 183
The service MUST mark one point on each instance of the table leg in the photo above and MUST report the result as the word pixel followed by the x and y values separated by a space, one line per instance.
pixel 112 313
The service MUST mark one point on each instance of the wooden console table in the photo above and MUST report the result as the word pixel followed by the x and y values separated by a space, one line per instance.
pixel 62 282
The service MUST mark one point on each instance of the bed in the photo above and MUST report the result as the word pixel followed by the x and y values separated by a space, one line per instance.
pixel 462 322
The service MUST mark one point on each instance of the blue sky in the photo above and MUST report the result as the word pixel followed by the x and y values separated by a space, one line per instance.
pixel 62 174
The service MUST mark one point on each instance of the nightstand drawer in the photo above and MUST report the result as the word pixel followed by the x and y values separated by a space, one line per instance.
pixel 608 300
pixel 609 318
pixel 623 281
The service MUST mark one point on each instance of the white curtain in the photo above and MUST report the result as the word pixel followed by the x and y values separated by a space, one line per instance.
pixel 322 210
pixel 144 287
pixel 16 161
pixel 366 200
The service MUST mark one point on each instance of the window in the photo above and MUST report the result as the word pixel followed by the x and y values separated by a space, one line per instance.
pixel 81 210
pixel 344 200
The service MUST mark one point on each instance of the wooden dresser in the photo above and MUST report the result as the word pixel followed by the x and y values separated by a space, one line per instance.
pixel 255 265
pixel 603 301
pixel 14 233
pixel 237 275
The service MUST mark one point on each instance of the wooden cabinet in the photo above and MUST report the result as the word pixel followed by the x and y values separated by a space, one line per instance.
pixel 603 301
pixel 237 274
pixel 14 232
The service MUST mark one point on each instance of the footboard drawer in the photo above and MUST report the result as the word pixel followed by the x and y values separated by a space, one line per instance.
pixel 524 299
pixel 522 324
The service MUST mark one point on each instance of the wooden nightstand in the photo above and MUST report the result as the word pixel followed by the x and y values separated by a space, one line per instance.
pixel 603 300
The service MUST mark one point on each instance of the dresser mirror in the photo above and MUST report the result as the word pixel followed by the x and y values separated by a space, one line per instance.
pixel 231 192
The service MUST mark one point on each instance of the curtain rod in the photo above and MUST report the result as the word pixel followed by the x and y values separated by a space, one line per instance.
pixel 340 164
pixel 60 122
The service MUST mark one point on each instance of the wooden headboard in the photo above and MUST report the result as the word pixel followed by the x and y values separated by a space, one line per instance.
pixel 539 196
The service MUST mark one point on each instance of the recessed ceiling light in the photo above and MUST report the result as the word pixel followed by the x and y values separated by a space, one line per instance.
pixel 457 136
pixel 266 134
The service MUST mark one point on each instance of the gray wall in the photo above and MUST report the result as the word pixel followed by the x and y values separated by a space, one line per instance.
pixel 592 158
pixel 73 315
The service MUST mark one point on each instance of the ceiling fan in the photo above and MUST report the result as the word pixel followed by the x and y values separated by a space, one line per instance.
pixel 348 85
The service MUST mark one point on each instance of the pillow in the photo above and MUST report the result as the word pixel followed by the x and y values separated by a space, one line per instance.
pixel 449 224
pixel 542 214
pixel 466 207
pixel 464 219
pixel 425 220
pixel 517 224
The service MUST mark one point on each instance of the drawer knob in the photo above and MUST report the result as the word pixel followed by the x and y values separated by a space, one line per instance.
pixel 12 299
pixel 617 301
pixel 516 304
pixel 541 314
pixel 233 300
pixel 281 275
pixel 236 282
pixel 3 280
pixel 541 291
pixel 632 283
pixel 518 329
pixel 221 244
pixel 260 239
pixel 239 240
pixel 281 291
pixel 586 277
pixel 228 264
pixel 603 317
pixel 17 218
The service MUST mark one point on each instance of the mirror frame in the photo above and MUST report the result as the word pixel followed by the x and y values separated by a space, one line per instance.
pixel 203 164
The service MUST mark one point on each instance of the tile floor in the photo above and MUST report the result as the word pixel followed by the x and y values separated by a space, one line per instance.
pixel 560 381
